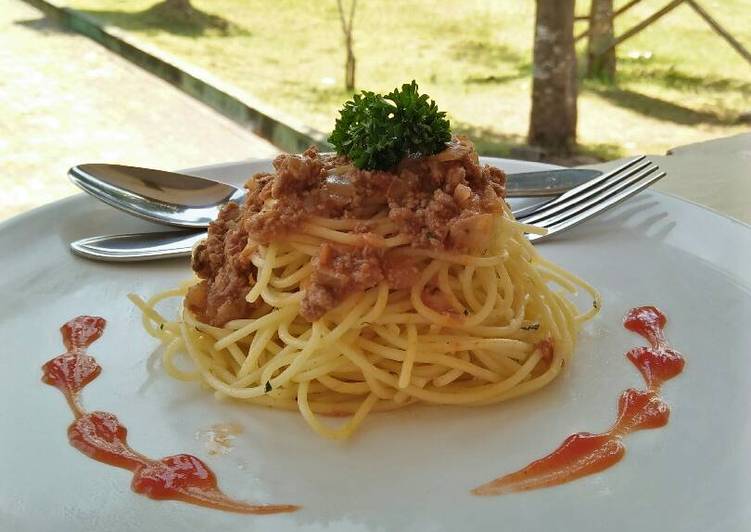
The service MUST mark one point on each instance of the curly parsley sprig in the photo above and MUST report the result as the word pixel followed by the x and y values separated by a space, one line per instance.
pixel 377 131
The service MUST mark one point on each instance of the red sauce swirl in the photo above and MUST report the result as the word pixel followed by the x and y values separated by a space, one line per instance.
pixel 583 453
pixel 99 435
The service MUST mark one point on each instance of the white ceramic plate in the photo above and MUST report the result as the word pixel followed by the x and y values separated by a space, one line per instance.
pixel 408 470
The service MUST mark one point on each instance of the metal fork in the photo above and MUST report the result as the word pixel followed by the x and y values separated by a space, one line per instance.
pixel 592 198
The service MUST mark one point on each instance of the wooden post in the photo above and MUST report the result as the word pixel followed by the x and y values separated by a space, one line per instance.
pixel 644 23
pixel 720 30
pixel 600 58
pixel 625 7
pixel 602 53
pixel 552 124
pixel 616 13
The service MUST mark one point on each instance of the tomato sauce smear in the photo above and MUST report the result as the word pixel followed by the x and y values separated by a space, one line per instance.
pixel 584 453
pixel 101 436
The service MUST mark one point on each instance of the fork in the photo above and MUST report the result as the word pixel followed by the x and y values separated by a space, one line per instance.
pixel 591 198
pixel 564 212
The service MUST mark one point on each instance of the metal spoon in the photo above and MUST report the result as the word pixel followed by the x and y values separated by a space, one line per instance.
pixel 167 198
pixel 192 202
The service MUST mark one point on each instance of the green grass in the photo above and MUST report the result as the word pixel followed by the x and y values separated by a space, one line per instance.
pixel 678 82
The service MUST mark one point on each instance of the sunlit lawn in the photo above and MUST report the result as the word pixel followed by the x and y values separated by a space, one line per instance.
pixel 678 81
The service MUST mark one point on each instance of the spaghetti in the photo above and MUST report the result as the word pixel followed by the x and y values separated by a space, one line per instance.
pixel 474 327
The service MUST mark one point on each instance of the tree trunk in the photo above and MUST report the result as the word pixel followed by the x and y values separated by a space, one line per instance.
pixel 599 64
pixel 179 5
pixel 349 80
pixel 349 68
pixel 552 124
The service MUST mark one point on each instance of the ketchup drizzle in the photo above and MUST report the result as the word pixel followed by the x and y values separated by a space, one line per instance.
pixel 99 435
pixel 583 453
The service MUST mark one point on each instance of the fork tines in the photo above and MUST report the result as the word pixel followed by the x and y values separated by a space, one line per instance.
pixel 593 197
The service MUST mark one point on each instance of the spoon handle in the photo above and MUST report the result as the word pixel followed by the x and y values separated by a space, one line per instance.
pixel 138 246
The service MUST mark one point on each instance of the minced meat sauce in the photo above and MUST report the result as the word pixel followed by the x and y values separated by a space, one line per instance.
pixel 445 201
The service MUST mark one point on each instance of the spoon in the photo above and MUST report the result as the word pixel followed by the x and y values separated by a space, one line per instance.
pixel 192 202
pixel 163 197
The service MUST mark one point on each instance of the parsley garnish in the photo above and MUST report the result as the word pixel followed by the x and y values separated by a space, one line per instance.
pixel 377 131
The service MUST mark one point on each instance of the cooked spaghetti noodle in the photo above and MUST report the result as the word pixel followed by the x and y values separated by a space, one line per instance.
pixel 473 325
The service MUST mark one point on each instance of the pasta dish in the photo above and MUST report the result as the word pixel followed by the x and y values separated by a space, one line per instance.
pixel 338 290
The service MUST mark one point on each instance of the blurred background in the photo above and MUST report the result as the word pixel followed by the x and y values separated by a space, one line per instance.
pixel 565 81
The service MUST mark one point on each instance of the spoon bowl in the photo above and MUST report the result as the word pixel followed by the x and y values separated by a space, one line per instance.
pixel 163 197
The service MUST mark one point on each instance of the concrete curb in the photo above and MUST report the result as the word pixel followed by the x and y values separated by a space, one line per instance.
pixel 284 132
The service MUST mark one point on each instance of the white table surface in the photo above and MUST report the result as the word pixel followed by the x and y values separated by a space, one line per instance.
pixel 715 174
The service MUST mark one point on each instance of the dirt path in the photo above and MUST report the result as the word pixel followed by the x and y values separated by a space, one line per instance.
pixel 66 100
